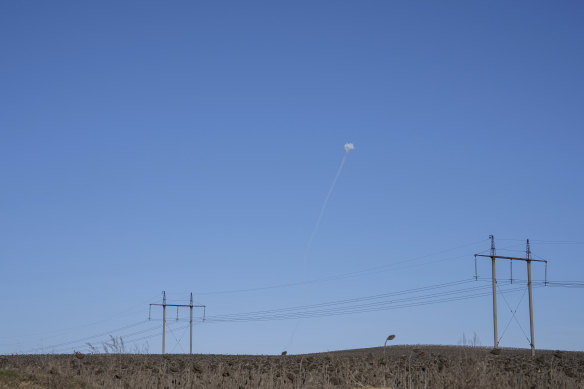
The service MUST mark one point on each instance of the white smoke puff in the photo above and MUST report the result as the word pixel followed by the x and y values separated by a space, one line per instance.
pixel 349 147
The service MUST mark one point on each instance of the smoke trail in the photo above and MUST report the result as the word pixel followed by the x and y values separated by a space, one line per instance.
pixel 324 204
pixel 348 148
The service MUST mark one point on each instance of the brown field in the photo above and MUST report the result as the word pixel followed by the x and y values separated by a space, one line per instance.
pixel 397 367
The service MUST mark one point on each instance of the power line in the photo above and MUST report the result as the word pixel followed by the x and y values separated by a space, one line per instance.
pixel 126 336
pixel 547 241
pixel 377 296
pixel 152 336
pixel 353 310
pixel 554 283
pixel 57 333
pixel 83 340
pixel 358 273
pixel 329 308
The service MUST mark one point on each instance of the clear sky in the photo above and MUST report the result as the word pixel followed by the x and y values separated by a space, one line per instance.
pixel 189 146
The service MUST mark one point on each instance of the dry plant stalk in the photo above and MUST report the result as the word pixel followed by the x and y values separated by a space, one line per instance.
pixel 400 367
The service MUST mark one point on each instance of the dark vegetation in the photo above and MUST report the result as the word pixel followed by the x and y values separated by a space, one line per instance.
pixel 395 367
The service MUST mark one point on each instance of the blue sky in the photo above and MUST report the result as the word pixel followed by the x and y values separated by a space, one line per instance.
pixel 189 146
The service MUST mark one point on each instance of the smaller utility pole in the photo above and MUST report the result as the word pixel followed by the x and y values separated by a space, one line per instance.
pixel 528 252
pixel 191 306
pixel 191 342
pixel 494 282
pixel 163 319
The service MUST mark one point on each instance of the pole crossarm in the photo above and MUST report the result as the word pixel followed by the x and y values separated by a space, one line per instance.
pixel 180 305
pixel 510 258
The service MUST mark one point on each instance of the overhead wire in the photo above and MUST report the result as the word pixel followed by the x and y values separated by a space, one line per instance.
pixel 349 306
pixel 554 283
pixel 354 310
pixel 545 241
pixel 131 341
pixel 377 296
pixel 54 334
pixel 83 340
pixel 126 337
pixel 340 276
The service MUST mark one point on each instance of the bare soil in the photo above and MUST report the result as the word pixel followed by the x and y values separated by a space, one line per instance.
pixel 395 367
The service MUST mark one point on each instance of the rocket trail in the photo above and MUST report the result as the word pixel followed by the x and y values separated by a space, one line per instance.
pixel 348 148
pixel 324 204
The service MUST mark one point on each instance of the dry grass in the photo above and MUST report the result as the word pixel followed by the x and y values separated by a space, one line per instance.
pixel 400 367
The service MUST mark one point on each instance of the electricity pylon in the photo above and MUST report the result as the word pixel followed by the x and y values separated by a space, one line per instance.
pixel 191 306
pixel 494 257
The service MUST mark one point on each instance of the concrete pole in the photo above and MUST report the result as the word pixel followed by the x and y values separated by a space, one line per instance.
pixel 495 336
pixel 163 326
pixel 530 307
pixel 191 350
pixel 191 306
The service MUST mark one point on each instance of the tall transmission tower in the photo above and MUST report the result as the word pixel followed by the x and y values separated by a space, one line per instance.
pixel 191 306
pixel 493 255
